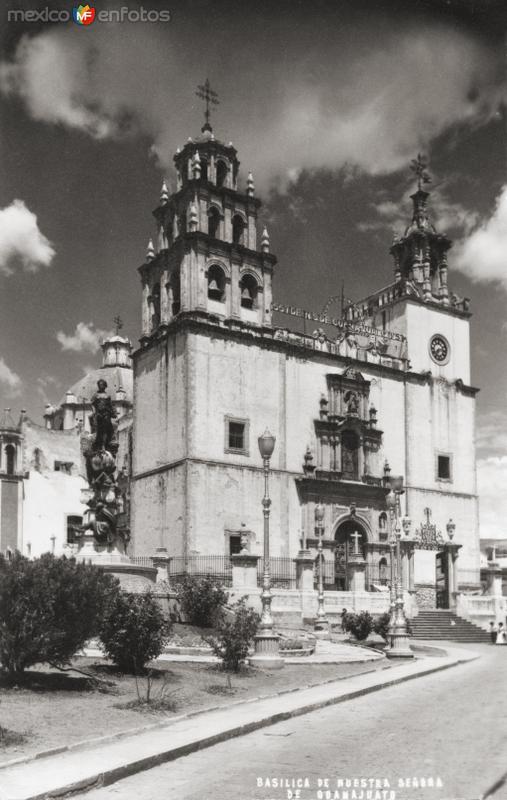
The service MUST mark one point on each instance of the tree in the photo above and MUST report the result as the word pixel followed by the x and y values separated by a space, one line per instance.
pixel 235 635
pixel 133 631
pixel 202 600
pixel 49 608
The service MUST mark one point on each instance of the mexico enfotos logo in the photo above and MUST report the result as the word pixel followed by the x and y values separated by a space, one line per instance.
pixel 84 14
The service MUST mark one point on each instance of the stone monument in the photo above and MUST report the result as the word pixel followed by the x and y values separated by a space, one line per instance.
pixel 104 536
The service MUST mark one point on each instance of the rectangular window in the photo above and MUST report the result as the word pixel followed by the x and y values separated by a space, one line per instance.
pixel 74 524
pixel 64 466
pixel 443 468
pixel 234 545
pixel 236 435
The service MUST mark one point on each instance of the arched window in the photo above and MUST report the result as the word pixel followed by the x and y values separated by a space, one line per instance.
pixel 155 306
pixel 10 458
pixel 222 171
pixel 213 222
pixel 216 283
pixel 248 288
pixel 182 224
pixel 204 169
pixel 238 227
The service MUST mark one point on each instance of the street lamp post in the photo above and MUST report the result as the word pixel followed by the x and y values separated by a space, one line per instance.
pixel 400 647
pixel 267 653
pixel 321 621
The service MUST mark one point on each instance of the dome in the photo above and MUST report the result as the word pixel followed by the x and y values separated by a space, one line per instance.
pixel 116 377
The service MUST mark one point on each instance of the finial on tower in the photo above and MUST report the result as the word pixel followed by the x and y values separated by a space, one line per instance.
pixel 194 219
pixel 265 241
pixel 164 193
pixel 206 93
pixel 150 251
pixel 419 167
pixel 250 185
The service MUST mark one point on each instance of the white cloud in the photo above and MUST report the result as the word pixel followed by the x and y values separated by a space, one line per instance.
pixel 44 383
pixel 86 338
pixel 492 480
pixel 483 254
pixel 10 380
pixel 21 241
pixel 371 99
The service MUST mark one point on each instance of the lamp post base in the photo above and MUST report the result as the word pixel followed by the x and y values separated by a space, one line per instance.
pixel 267 654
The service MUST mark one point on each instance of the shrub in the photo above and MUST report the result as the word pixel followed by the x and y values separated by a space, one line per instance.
pixel 133 631
pixel 359 625
pixel 235 635
pixel 49 608
pixel 202 600
pixel 381 625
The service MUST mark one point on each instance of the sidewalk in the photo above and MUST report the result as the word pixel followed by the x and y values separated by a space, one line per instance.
pixel 105 761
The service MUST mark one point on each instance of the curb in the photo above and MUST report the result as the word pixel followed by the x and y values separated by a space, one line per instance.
pixel 109 775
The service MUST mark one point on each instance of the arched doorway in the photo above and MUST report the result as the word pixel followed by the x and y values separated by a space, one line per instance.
pixel 350 538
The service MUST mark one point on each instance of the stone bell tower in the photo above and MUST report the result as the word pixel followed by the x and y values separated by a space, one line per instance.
pixel 207 260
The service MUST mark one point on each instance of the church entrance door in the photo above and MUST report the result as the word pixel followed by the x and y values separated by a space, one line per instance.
pixel 350 539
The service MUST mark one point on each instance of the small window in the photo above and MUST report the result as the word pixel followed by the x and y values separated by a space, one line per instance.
pixel 234 545
pixel 213 222
pixel 236 435
pixel 74 524
pixel 64 466
pixel 10 455
pixel 444 468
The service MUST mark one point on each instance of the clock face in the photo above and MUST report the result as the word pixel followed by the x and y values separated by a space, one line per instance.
pixel 439 349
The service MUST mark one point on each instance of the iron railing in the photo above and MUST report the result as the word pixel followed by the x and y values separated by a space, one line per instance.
pixel 283 572
pixel 218 567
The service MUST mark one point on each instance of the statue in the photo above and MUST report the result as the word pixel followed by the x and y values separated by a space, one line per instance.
pixel 103 414
pixel 352 403
pixel 99 449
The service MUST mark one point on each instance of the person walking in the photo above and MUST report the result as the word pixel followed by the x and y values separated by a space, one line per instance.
pixel 343 615
pixel 493 629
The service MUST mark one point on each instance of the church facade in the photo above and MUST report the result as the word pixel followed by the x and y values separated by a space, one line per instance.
pixel 384 390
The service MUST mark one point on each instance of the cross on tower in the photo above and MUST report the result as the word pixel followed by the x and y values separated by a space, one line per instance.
pixel 206 93
pixel 419 168
pixel 118 323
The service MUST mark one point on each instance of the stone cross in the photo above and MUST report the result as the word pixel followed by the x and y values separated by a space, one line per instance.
pixel 356 536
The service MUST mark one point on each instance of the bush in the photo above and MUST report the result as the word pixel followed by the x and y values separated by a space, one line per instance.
pixel 133 631
pixel 202 600
pixel 49 608
pixel 235 636
pixel 359 625
pixel 381 625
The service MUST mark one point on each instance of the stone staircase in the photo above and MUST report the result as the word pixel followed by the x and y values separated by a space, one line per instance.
pixel 442 624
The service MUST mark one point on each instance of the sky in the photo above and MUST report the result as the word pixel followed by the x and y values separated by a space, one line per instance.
pixel 326 102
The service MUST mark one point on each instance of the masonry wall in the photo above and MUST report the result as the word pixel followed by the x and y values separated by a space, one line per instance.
pixel 211 377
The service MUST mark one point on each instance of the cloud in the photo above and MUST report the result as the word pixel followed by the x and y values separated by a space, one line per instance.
pixel 21 241
pixel 491 481
pixel 369 94
pixel 446 215
pixel 9 379
pixel 482 256
pixel 86 338
pixel 45 382
pixel 492 433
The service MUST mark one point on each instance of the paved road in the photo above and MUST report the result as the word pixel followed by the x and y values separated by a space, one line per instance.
pixel 450 726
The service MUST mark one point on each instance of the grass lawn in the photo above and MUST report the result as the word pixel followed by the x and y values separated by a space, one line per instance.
pixel 52 709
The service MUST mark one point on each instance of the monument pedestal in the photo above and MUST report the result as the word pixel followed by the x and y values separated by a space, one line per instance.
pixel 133 578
